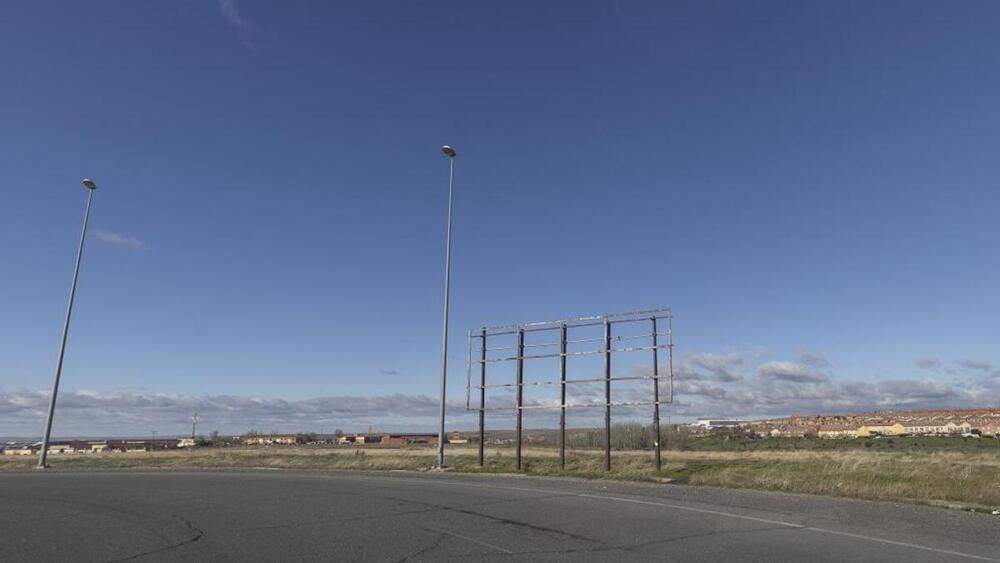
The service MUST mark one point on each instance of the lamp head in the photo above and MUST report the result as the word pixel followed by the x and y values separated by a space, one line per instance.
pixel 89 184
pixel 448 151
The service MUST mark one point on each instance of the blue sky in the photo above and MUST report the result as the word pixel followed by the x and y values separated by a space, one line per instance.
pixel 811 187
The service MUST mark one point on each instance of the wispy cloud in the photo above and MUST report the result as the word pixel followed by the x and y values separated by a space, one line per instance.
pixel 137 412
pixel 123 241
pixel 233 17
pixel 935 365
pixel 721 365
pixel 790 371
pixel 384 371
pixel 977 365
pixel 811 358
pixel 931 364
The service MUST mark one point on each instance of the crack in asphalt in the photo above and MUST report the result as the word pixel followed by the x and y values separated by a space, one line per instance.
pixel 199 533
pixel 140 519
pixel 438 540
pixel 463 509
pixel 380 516
pixel 472 540
pixel 516 523
pixel 334 520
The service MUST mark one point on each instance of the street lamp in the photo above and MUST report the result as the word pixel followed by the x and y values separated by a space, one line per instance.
pixel 450 153
pixel 43 455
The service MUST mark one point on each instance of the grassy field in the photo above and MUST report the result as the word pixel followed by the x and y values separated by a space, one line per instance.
pixel 958 478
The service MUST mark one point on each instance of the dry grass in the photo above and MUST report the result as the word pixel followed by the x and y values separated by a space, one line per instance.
pixel 942 478
pixel 955 478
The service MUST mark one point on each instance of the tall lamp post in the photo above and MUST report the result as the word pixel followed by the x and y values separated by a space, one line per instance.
pixel 450 153
pixel 43 455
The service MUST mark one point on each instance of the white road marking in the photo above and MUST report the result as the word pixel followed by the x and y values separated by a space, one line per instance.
pixel 708 511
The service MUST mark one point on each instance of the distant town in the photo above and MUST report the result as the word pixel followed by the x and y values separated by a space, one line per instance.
pixel 125 445
pixel 944 422
pixel 967 423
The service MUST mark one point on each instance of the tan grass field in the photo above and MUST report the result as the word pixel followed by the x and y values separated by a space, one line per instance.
pixel 957 479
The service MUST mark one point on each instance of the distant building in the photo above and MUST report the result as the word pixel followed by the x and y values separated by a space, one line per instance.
pixel 713 423
pixel 936 428
pixel 895 429
pixel 273 439
pixel 360 439
pixel 837 431
pixel 988 427
pixel 406 439
pixel 21 449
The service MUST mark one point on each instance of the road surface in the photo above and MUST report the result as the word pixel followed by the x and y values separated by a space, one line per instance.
pixel 358 516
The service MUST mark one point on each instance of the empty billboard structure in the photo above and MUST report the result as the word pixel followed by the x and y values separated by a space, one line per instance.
pixel 552 340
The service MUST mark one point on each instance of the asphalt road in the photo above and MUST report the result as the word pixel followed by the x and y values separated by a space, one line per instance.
pixel 355 516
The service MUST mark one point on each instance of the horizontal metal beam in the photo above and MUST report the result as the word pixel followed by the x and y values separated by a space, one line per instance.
pixel 542 345
pixel 579 341
pixel 580 353
pixel 572 406
pixel 592 320
pixel 594 380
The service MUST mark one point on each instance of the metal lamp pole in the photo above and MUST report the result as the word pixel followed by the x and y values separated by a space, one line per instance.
pixel 43 455
pixel 450 153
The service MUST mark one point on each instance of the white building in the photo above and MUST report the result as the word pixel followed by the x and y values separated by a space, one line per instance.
pixel 716 423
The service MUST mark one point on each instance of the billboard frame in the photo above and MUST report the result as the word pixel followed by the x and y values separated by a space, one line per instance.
pixel 656 319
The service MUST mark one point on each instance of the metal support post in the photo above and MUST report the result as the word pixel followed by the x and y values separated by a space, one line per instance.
pixel 520 390
pixel 607 395
pixel 562 396
pixel 670 354
pixel 656 396
pixel 482 398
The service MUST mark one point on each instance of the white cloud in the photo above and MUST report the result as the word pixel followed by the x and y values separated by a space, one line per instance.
pixel 123 241
pixel 233 17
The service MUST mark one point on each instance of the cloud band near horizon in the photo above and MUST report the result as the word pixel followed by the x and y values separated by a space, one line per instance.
pixel 706 385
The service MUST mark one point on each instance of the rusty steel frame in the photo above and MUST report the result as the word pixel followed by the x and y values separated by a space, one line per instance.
pixel 607 350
